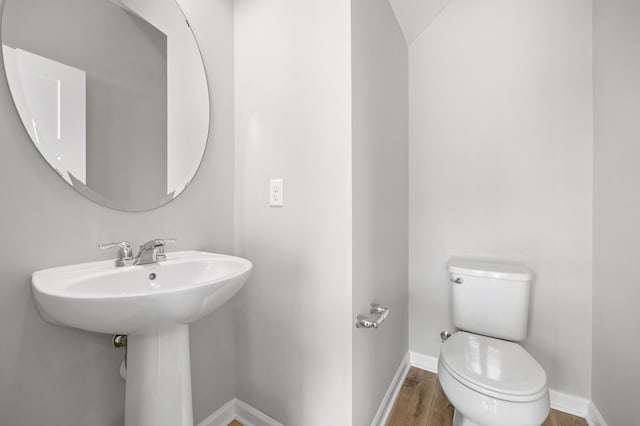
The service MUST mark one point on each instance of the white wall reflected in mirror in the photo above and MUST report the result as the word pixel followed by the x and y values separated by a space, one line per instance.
pixel 185 76
pixel 52 105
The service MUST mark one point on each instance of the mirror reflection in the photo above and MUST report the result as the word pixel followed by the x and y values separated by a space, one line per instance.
pixel 113 94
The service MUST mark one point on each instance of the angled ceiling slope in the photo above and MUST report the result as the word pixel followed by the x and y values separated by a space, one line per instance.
pixel 414 16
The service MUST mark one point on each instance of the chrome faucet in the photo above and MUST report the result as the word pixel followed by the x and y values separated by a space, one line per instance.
pixel 152 252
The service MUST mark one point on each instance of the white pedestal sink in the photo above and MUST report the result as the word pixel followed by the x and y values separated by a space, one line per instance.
pixel 153 305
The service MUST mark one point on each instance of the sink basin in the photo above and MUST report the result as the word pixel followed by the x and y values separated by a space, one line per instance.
pixel 100 297
pixel 153 304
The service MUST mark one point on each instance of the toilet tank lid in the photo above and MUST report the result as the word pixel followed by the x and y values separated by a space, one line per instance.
pixel 490 270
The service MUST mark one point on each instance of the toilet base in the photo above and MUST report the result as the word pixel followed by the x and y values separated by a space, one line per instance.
pixel 488 411
pixel 460 420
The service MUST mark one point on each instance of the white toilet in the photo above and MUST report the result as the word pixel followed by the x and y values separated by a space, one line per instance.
pixel 490 379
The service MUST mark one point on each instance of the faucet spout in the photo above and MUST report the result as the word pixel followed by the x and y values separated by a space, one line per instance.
pixel 152 252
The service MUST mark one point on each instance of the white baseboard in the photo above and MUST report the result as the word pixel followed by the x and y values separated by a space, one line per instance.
pixel 249 416
pixel 384 410
pixel 222 416
pixel 424 362
pixel 571 404
pixel 594 418
pixel 240 411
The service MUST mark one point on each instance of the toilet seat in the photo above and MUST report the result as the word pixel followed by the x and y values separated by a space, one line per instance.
pixel 494 367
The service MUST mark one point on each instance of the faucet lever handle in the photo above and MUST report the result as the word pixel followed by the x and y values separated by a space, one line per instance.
pixel 125 254
pixel 104 246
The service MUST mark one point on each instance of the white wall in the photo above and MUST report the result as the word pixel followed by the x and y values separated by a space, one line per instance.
pixel 60 376
pixel 187 106
pixel 380 199
pixel 616 318
pixel 293 121
pixel 415 16
pixel 500 160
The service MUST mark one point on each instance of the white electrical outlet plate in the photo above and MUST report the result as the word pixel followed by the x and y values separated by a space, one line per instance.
pixel 275 193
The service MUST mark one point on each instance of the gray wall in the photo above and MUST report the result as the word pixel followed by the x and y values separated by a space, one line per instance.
pixel 60 376
pixel 125 59
pixel 293 121
pixel 616 318
pixel 380 199
pixel 500 160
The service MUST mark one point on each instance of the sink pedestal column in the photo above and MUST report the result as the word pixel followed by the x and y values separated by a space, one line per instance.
pixel 158 388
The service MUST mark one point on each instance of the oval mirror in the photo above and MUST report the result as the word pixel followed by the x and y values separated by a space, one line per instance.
pixel 113 93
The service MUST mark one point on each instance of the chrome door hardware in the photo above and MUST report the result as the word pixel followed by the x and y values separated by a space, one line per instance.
pixel 378 315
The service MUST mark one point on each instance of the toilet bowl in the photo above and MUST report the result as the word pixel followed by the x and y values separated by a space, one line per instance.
pixel 492 382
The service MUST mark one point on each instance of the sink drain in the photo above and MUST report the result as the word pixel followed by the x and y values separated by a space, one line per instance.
pixel 152 276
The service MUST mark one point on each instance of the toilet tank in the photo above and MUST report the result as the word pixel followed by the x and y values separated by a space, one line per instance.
pixel 490 299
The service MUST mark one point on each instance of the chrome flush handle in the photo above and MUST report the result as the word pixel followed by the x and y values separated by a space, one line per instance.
pixel 458 280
